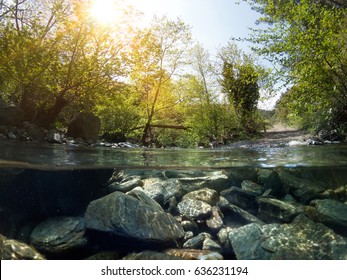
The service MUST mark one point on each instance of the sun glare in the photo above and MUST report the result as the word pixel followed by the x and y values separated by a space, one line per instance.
pixel 105 11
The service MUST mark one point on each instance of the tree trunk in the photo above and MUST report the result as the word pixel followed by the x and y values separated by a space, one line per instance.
pixel 45 117
pixel 147 135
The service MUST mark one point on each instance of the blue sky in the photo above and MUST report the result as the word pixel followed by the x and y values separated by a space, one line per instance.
pixel 214 22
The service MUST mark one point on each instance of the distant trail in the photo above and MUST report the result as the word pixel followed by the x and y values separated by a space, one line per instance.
pixel 276 136
pixel 284 133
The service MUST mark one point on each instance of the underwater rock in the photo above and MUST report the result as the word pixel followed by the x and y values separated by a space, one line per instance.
pixel 195 209
pixel 217 181
pixel 241 198
pixel 11 249
pixel 215 222
pixel 139 194
pixel 211 245
pixel 274 183
pixel 301 240
pixel 195 242
pixel 252 187
pixel 244 215
pixel 125 186
pixel 272 210
pixel 339 194
pixel 154 188
pixel 194 254
pixel 223 239
pixel 59 235
pixel 190 226
pixel 302 189
pixel 172 188
pixel 263 175
pixel 123 215
pixel 209 196
pixel 331 213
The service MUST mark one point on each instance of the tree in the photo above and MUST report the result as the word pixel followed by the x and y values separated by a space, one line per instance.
pixel 306 39
pixel 240 81
pixel 158 54
pixel 53 55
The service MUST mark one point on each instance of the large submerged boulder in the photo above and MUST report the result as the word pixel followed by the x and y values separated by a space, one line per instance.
pixel 301 240
pixel 124 215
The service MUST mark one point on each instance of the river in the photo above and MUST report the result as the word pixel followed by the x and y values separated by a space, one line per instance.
pixel 78 202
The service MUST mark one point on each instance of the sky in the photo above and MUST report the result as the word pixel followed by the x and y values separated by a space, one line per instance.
pixel 213 22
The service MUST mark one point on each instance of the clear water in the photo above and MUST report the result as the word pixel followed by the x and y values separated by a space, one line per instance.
pixel 39 181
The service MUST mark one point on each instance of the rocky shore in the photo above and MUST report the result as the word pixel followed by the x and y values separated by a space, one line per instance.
pixel 231 214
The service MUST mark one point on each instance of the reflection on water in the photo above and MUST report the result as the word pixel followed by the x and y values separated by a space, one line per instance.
pixel 46 156
pixel 64 202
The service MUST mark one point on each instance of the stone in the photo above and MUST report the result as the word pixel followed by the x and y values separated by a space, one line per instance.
pixel 139 194
pixel 252 187
pixel 154 187
pixel 190 226
pixel 195 209
pixel 125 186
pixel 240 213
pixel 332 213
pixel 339 194
pixel 55 137
pixel 301 240
pixel 11 249
pixel 34 132
pixel 59 235
pixel 263 175
pixel 188 235
pixel 274 183
pixel 272 210
pixel 302 189
pixel 209 196
pixel 211 245
pixel 215 222
pixel 195 242
pixel 172 188
pixel 223 239
pixel 194 254
pixel 241 198
pixel 11 116
pixel 217 181
pixel 85 126
pixel 124 215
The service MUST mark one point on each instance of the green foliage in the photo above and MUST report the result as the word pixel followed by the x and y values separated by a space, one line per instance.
pixel 157 54
pixel 240 81
pixel 307 39
pixel 118 112
pixel 147 83
pixel 53 56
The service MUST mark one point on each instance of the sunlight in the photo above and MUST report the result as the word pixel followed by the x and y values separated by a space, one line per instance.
pixel 105 11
